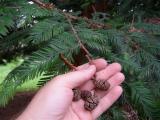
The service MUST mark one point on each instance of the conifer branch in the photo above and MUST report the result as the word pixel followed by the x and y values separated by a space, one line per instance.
pixel 69 17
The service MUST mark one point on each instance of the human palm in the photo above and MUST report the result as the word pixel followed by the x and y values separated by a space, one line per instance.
pixel 54 100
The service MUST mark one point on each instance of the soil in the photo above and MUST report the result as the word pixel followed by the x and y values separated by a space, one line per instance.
pixel 16 106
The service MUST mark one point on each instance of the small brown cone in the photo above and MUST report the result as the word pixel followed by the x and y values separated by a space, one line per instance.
pixel 76 94
pixel 91 102
pixel 101 84
pixel 85 94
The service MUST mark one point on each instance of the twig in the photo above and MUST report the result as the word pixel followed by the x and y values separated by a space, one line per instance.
pixel 89 59
pixel 70 65
pixel 79 40
pixel 94 9
pixel 132 23
pixel 133 28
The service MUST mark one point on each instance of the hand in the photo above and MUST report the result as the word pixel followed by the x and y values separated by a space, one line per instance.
pixel 54 100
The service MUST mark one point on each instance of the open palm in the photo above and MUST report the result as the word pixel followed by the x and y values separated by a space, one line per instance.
pixel 54 100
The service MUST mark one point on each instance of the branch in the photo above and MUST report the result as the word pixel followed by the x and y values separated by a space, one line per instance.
pixel 78 39
pixel 94 9
pixel 132 23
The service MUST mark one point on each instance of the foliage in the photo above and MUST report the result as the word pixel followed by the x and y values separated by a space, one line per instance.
pixel 50 33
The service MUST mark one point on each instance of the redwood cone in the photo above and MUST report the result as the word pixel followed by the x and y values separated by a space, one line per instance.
pixel 85 94
pixel 91 103
pixel 101 84
pixel 76 94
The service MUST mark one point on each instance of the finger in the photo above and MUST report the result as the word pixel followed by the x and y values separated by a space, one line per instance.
pixel 107 101
pixel 75 78
pixel 87 86
pixel 108 71
pixel 99 63
pixel 104 74
pixel 115 80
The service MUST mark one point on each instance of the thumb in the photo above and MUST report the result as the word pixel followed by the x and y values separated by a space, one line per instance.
pixel 76 78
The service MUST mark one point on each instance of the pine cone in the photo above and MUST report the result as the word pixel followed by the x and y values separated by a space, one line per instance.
pixel 91 103
pixel 85 94
pixel 76 94
pixel 101 84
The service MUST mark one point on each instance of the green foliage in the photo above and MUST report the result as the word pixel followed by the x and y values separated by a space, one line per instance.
pixel 50 32
pixel 45 30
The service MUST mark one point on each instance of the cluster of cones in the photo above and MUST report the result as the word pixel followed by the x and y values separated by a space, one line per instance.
pixel 90 98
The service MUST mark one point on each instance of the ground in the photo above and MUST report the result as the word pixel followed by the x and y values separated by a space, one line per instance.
pixel 16 106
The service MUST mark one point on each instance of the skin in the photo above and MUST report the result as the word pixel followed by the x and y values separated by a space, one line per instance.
pixel 54 100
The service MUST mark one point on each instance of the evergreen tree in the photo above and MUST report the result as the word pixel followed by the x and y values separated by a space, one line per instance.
pixel 44 27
